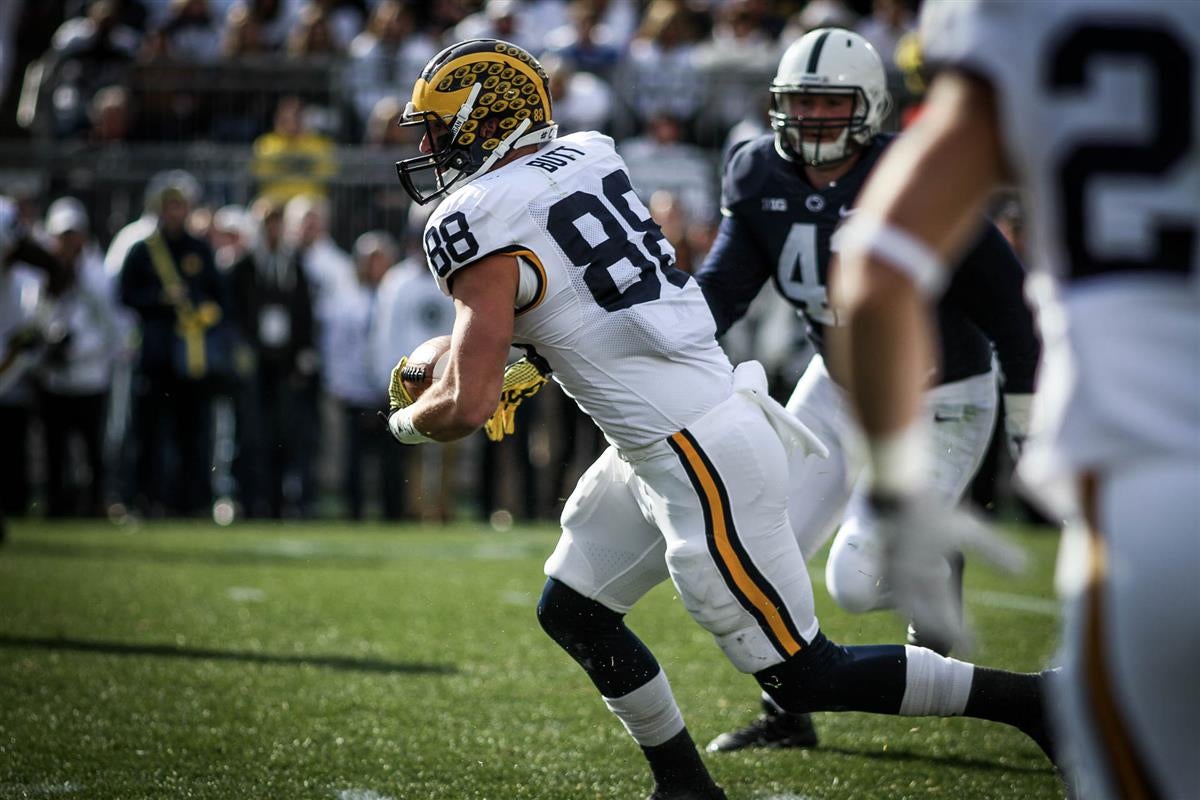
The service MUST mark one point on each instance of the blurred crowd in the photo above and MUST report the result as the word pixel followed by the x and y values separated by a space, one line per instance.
pixel 233 347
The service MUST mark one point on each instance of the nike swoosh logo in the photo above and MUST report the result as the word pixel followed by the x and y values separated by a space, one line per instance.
pixel 844 212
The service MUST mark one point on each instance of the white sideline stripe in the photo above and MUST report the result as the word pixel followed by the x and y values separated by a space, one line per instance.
pixel 1015 602
pixel 361 794
pixel 1028 603
pixel 246 594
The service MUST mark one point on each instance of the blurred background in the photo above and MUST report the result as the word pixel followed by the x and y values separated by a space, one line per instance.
pixel 267 129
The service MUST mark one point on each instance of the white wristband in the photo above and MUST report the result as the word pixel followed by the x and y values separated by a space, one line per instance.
pixel 870 235
pixel 899 463
pixel 400 423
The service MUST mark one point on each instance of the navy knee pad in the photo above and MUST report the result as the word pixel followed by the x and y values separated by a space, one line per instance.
pixel 825 676
pixel 597 638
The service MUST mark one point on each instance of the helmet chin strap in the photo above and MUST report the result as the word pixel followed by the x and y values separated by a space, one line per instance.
pixel 518 138
pixel 834 151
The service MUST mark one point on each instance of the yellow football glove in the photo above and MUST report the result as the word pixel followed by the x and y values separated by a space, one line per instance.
pixel 398 396
pixel 522 379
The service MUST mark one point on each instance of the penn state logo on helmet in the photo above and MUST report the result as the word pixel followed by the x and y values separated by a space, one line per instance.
pixel 478 100
pixel 827 63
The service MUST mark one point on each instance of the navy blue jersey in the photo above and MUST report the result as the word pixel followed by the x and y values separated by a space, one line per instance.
pixel 775 225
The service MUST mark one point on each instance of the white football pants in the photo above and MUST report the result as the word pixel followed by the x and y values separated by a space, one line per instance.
pixel 706 507
pixel 827 493
pixel 1128 701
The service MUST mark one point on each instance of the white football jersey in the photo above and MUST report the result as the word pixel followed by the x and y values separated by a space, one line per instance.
pixel 1099 111
pixel 628 336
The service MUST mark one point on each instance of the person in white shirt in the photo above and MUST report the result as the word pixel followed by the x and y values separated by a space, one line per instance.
pixel 410 309
pixel 348 378
pixel 76 372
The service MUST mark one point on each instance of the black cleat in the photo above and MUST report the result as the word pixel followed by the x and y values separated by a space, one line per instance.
pixel 775 729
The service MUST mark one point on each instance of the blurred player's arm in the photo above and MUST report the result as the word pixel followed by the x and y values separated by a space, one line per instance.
pixel 463 400
pixel 733 272
pixel 916 213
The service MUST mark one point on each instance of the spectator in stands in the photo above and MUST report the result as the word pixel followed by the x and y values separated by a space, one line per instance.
pixel 170 281
pixel 817 14
pixel 274 316
pixel 327 266
pixel 76 372
pixel 349 380
pixel 499 19
pixel 659 75
pixel 662 160
pixel 312 36
pixel 22 296
pixel 410 309
pixel 232 234
pixel 111 115
pixel 270 19
pixel 245 34
pixel 586 43
pixel 345 18
pixel 386 55
pixel 86 54
pixel 889 21
pixel 292 160
pixel 387 142
pixel 582 101
pixel 191 32
pixel 328 269
pixel 737 58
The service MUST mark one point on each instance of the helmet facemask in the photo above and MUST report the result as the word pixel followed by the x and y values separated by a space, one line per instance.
pixel 476 101
pixel 435 173
pixel 805 139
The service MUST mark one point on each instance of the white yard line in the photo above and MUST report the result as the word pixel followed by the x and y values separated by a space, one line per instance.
pixel 361 794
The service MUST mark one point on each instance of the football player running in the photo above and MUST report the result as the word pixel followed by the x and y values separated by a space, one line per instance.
pixel 783 195
pixel 542 242
pixel 1093 108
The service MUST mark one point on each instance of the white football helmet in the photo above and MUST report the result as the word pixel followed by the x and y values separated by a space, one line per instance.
pixel 828 61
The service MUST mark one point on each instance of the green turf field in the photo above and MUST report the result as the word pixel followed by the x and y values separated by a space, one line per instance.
pixel 375 663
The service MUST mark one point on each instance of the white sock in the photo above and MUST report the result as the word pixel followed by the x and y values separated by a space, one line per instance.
pixel 649 712
pixel 935 685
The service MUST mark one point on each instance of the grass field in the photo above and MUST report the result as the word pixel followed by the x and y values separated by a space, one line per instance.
pixel 371 663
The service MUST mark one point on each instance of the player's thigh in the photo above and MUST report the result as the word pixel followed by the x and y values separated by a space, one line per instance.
pixel 608 550
pixel 820 487
pixel 720 499
pixel 963 414
pixel 1129 702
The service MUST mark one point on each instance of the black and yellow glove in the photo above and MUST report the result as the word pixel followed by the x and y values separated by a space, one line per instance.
pixel 522 379
pixel 398 396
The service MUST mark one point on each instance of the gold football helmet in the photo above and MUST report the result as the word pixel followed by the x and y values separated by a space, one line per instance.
pixel 478 100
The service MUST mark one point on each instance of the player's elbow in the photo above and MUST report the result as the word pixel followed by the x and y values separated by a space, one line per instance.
pixel 869 286
pixel 473 407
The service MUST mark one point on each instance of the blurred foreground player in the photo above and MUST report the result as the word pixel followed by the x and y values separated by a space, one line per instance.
pixel 542 242
pixel 784 193
pixel 1093 108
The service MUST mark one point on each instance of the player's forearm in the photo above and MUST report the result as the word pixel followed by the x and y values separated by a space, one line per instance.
pixel 458 405
pixel 885 355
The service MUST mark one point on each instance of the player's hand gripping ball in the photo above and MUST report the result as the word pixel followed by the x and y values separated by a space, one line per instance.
pixel 417 371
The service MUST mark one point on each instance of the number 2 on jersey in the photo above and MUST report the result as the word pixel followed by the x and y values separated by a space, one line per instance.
pixel 1093 162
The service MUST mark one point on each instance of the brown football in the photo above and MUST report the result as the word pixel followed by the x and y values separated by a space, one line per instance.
pixel 425 365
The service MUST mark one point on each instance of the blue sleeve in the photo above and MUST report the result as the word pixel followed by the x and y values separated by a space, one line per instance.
pixel 733 273
pixel 989 288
